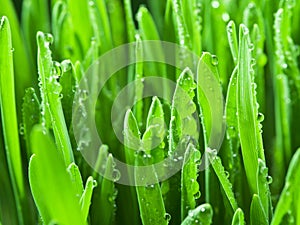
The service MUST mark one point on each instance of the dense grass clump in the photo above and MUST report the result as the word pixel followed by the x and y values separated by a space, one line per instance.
pixel 241 55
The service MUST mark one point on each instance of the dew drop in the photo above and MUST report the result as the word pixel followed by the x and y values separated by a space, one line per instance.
pixel 260 117
pixel 284 66
pixel 167 217
pixel 116 175
pixel 225 17
pixel 22 129
pixel 150 186
pixel 49 38
pixel 269 179
pixel 215 4
pixel 95 183
pixel 227 174
pixel 91 3
pixel 197 195
pixel 214 60
pixel 251 46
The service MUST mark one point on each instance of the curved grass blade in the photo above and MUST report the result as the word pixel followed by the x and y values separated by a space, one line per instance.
pixel 132 145
pixel 52 186
pixel 182 129
pixel 153 138
pixel 201 215
pixel 76 179
pixel 209 88
pixel 263 189
pixel 230 112
pixel 246 111
pixel 182 123
pixel 9 115
pixel 189 185
pixel 151 204
pixel 51 97
pixel 30 116
pixel 289 192
pixel 86 197
pixel 238 217
pixel 233 41
pixel 24 71
pixel 253 18
pixel 68 83
pixel 223 178
pixel 257 213
pixel 131 137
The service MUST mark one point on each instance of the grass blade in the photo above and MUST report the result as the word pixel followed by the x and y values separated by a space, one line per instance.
pixel 223 178
pixel 51 97
pixel 153 137
pixel 246 113
pixel 201 215
pixel 189 185
pixel 289 192
pixel 86 197
pixel 9 114
pixel 24 71
pixel 76 179
pixel 30 116
pixel 233 42
pixel 52 187
pixel 182 129
pixel 238 217
pixel 257 213
pixel 108 193
pixel 151 204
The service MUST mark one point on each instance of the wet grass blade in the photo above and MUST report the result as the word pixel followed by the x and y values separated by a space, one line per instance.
pixel 246 115
pixel 30 116
pixel 257 213
pixel 52 187
pixel 108 193
pixel 24 71
pixel 224 179
pixel 151 204
pixel 182 130
pixel 9 114
pixel 51 97
pixel 201 215
pixel 289 192
pixel 238 217
pixel 233 41
pixel 189 186
pixel 85 200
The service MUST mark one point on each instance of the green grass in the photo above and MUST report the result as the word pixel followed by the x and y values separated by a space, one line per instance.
pixel 246 62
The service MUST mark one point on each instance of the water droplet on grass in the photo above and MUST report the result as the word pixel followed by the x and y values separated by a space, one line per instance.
pixel 215 4
pixel 214 60
pixel 167 217
pixel 260 117
pixel 269 179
